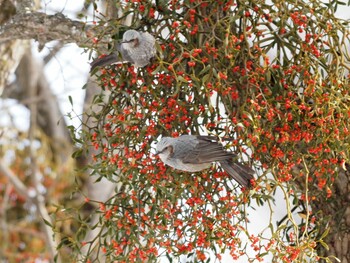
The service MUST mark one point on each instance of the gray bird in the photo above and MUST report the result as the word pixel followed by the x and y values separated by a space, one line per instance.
pixel 136 47
pixel 195 153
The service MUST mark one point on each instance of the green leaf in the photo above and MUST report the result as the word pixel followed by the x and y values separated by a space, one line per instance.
pixel 204 70
pixel 324 244
pixel 205 78
pixel 169 258
pixel 47 223
pixel 70 100
pixel 341 3
pixel 181 79
pixel 158 69
pixel 325 233
pixel 77 153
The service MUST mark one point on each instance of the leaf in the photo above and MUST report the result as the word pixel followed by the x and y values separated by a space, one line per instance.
pixel 341 3
pixel 81 233
pixel 169 258
pixel 302 215
pixel 70 100
pixel 159 50
pixel 77 153
pixel 159 68
pixel 325 233
pixel 47 223
pixel 248 114
pixel 62 243
pixel 324 244
pixel 92 72
pixel 204 70
pixel 205 78
pixel 181 79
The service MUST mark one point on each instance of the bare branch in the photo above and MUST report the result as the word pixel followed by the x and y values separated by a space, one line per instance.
pixel 29 75
pixel 3 216
pixel 19 186
pixel 53 52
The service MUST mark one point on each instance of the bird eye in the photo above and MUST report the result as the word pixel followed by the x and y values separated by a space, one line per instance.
pixel 129 41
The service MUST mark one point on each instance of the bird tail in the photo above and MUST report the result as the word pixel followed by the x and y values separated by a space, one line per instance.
pixel 104 61
pixel 239 172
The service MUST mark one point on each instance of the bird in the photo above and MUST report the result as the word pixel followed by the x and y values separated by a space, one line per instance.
pixel 193 153
pixel 136 47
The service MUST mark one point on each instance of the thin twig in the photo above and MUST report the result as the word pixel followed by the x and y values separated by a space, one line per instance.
pixel 53 52
pixel 19 186
pixel 4 224
pixel 306 199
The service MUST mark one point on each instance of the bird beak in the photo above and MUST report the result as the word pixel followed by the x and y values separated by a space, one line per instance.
pixel 156 154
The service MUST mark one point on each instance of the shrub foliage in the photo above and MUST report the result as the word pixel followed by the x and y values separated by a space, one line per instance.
pixel 271 76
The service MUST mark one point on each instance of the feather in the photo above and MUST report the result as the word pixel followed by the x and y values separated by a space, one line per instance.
pixel 104 61
pixel 240 173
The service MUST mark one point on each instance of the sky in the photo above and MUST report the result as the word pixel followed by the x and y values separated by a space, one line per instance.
pixel 68 73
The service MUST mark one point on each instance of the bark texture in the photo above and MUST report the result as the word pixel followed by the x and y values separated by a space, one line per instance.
pixel 337 211
pixel 44 28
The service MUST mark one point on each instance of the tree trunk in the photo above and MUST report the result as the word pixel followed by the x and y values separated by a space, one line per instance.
pixel 337 210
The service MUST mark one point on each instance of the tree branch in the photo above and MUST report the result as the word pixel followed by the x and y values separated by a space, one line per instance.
pixel 53 52
pixel 35 175
pixel 45 28
pixel 29 75
pixel 19 186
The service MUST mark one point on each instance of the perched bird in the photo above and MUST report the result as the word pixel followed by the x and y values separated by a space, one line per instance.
pixel 136 47
pixel 193 153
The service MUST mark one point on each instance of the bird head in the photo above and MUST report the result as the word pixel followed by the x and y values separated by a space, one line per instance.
pixel 131 38
pixel 164 148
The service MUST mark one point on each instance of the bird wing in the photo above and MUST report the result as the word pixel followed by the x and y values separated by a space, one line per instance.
pixel 202 149
pixel 104 61
pixel 206 149
pixel 148 46
pixel 125 53
pixel 242 174
pixel 182 147
pixel 148 41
